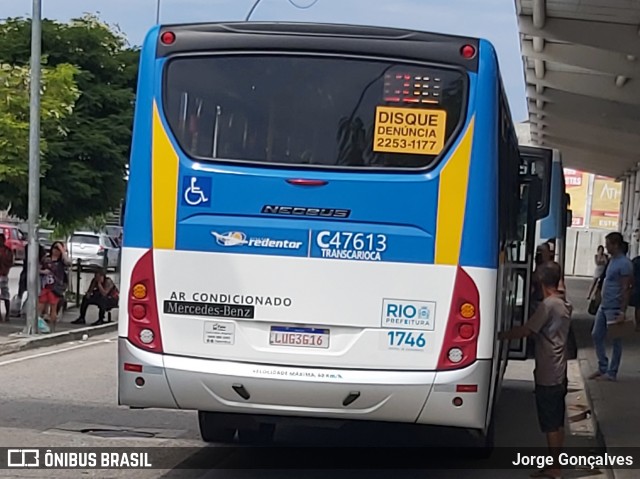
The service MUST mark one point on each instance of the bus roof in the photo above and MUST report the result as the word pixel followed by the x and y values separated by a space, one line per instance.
pixel 194 37
pixel 310 28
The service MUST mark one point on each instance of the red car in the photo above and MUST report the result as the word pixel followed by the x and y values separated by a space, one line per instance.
pixel 15 240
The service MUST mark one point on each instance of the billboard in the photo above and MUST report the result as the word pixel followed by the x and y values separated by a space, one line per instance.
pixel 605 203
pixel 577 185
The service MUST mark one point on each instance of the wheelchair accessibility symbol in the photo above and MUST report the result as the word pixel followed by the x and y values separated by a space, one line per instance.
pixel 196 191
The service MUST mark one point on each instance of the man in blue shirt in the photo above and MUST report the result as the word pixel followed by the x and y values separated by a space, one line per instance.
pixel 616 293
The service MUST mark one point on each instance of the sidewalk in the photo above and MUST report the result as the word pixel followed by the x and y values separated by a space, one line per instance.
pixel 615 405
pixel 12 338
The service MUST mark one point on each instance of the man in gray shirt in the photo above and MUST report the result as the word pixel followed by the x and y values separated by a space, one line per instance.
pixel 549 326
pixel 616 293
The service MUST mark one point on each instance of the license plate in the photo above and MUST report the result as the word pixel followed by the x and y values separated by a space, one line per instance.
pixel 299 337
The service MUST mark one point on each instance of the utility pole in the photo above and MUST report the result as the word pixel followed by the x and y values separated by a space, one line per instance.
pixel 33 275
pixel 157 12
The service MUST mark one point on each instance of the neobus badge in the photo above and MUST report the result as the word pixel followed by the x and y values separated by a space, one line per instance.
pixel 304 211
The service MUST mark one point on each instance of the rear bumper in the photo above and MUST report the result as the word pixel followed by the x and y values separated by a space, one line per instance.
pixel 392 396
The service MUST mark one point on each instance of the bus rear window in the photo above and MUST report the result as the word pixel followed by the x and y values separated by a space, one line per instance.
pixel 313 111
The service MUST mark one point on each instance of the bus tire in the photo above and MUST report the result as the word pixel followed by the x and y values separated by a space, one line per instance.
pixel 264 434
pixel 484 443
pixel 214 428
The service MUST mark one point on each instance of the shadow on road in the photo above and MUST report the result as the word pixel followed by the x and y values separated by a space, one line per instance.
pixel 375 449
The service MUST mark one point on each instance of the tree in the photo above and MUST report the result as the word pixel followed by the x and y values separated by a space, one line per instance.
pixel 58 96
pixel 86 167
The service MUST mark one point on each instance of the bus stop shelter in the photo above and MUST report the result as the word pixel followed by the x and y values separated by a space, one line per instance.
pixel 581 63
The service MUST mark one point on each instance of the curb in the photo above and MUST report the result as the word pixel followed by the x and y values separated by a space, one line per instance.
pixel 582 364
pixel 26 343
pixel 599 437
pixel 579 409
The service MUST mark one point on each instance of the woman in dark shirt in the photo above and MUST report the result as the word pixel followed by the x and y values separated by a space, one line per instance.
pixel 53 272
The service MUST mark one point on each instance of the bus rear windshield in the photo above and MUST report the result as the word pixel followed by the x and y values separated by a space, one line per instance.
pixel 313 110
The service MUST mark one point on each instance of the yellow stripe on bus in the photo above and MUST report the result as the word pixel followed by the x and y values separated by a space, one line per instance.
pixel 452 201
pixel 164 192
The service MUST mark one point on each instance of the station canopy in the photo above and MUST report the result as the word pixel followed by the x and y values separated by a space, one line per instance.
pixel 582 68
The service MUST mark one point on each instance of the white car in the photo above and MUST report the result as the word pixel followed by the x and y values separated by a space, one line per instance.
pixel 92 249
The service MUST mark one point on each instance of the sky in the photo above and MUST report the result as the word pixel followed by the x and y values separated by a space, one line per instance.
pixel 494 20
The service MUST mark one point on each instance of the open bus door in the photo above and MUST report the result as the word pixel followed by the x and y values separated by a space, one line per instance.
pixel 535 188
pixel 567 218
pixel 554 227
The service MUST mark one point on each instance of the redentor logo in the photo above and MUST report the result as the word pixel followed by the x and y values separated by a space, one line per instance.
pixel 237 238
pixel 232 238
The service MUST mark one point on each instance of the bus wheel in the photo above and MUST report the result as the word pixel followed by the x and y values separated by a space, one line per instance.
pixel 214 428
pixel 262 435
pixel 484 443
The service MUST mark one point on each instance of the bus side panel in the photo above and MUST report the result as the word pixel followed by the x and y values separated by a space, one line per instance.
pixel 481 218
pixel 137 222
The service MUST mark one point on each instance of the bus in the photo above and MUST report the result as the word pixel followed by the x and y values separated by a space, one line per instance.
pixel 553 228
pixel 323 222
pixel 554 219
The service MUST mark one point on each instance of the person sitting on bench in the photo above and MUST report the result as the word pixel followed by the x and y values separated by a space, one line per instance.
pixel 103 293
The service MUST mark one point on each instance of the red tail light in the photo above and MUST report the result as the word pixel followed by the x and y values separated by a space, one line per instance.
pixel 460 346
pixel 467 388
pixel 468 51
pixel 133 368
pixel 144 322
pixel 168 38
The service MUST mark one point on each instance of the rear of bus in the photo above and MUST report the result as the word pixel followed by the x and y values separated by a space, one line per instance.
pixel 311 227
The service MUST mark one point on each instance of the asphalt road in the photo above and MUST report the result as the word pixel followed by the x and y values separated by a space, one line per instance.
pixel 66 396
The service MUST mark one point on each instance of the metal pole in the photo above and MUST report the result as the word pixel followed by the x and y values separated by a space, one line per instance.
pixel 157 12
pixel 34 170
pixel 587 215
pixel 623 204
pixel 635 221
pixel 629 217
pixel 78 272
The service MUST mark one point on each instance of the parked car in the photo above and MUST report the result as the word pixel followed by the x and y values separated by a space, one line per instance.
pixel 14 240
pixel 115 233
pixel 45 238
pixel 92 249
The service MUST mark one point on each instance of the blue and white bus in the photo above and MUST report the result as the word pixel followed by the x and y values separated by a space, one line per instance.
pixel 554 217
pixel 323 221
pixel 553 227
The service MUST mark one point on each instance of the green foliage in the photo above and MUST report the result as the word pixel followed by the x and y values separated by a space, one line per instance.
pixel 96 223
pixel 63 231
pixel 92 223
pixel 58 96
pixel 86 152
